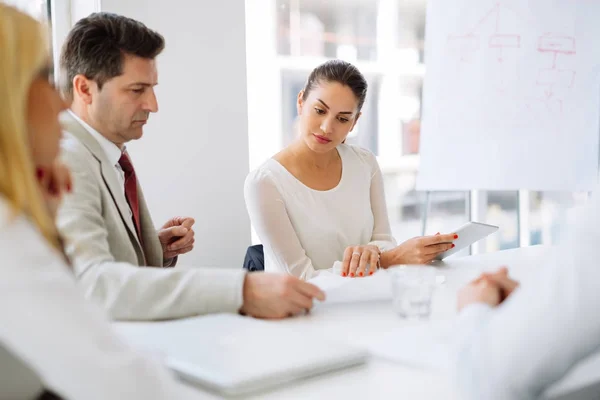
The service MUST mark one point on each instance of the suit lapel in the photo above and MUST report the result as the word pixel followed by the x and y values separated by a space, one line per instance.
pixel 109 174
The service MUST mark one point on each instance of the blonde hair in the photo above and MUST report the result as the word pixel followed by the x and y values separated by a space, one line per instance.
pixel 23 55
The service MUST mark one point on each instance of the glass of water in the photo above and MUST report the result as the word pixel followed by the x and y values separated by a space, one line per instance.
pixel 412 290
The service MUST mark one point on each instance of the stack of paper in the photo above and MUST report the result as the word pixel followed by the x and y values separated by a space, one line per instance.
pixel 340 289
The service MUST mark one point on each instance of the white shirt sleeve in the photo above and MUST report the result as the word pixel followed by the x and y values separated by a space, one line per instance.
pixel 272 224
pixel 382 233
pixel 67 341
pixel 518 349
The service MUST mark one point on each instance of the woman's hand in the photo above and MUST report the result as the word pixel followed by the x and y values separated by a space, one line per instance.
pixel 356 259
pixel 418 250
pixel 54 182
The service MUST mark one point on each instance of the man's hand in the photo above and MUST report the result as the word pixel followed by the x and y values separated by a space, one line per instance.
pixel 177 237
pixel 491 289
pixel 269 295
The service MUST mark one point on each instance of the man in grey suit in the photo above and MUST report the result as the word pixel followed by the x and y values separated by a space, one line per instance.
pixel 109 73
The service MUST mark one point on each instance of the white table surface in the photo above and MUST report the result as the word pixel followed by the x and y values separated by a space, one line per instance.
pixel 360 323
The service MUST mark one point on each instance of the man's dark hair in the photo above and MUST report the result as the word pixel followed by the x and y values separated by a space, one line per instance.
pixel 96 46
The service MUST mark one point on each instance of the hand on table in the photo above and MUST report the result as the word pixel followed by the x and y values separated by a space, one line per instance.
pixel 358 258
pixel 268 295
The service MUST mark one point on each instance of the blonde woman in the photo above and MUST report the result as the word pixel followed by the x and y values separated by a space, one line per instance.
pixel 45 321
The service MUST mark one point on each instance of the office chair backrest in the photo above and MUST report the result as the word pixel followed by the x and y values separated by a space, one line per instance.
pixel 255 258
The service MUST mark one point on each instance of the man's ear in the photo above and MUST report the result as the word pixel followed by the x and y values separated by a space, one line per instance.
pixel 82 88
pixel 300 102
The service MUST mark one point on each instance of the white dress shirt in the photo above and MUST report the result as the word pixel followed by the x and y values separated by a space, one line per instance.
pixel 305 230
pixel 68 342
pixel 551 322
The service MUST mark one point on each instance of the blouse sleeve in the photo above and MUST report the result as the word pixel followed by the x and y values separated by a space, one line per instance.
pixel 273 226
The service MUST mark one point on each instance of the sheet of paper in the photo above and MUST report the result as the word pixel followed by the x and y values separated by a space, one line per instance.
pixel 340 289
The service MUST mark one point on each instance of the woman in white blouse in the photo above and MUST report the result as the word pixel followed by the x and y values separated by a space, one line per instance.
pixel 319 200
pixel 45 321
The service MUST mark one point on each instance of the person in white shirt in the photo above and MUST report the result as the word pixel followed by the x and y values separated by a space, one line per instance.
pixel 108 72
pixel 320 200
pixel 46 324
pixel 515 340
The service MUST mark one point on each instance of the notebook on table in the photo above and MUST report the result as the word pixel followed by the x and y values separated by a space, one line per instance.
pixel 234 355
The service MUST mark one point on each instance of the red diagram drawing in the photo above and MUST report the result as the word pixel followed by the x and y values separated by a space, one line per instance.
pixel 557 45
pixel 550 78
pixel 466 45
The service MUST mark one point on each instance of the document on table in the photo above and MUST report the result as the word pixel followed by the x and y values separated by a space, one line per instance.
pixel 340 289
pixel 426 345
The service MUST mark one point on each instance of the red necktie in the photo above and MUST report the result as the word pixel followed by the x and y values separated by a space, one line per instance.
pixel 131 191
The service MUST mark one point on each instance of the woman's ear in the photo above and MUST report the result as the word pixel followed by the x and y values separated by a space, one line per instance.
pixel 355 121
pixel 300 102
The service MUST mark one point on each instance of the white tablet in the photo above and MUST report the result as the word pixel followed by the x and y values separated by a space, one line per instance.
pixel 468 234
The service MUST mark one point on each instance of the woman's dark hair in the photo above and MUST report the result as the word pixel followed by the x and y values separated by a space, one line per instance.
pixel 342 72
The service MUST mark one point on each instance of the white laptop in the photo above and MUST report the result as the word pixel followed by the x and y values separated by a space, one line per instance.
pixel 235 355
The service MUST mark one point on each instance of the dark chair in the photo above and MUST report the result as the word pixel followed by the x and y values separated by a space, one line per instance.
pixel 255 258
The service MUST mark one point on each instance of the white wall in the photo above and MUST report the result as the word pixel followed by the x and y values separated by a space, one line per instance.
pixel 193 158
pixel 264 81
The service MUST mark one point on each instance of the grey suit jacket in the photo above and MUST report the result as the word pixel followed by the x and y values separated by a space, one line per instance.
pixel 108 258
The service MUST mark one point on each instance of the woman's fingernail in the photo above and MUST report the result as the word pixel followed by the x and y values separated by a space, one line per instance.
pixel 370 272
pixel 343 274
pixel 352 274
pixel 361 274
pixel 455 236
pixel 39 172
pixel 69 188
pixel 437 233
pixel 453 245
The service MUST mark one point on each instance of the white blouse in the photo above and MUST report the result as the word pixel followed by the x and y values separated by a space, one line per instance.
pixel 66 341
pixel 305 230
